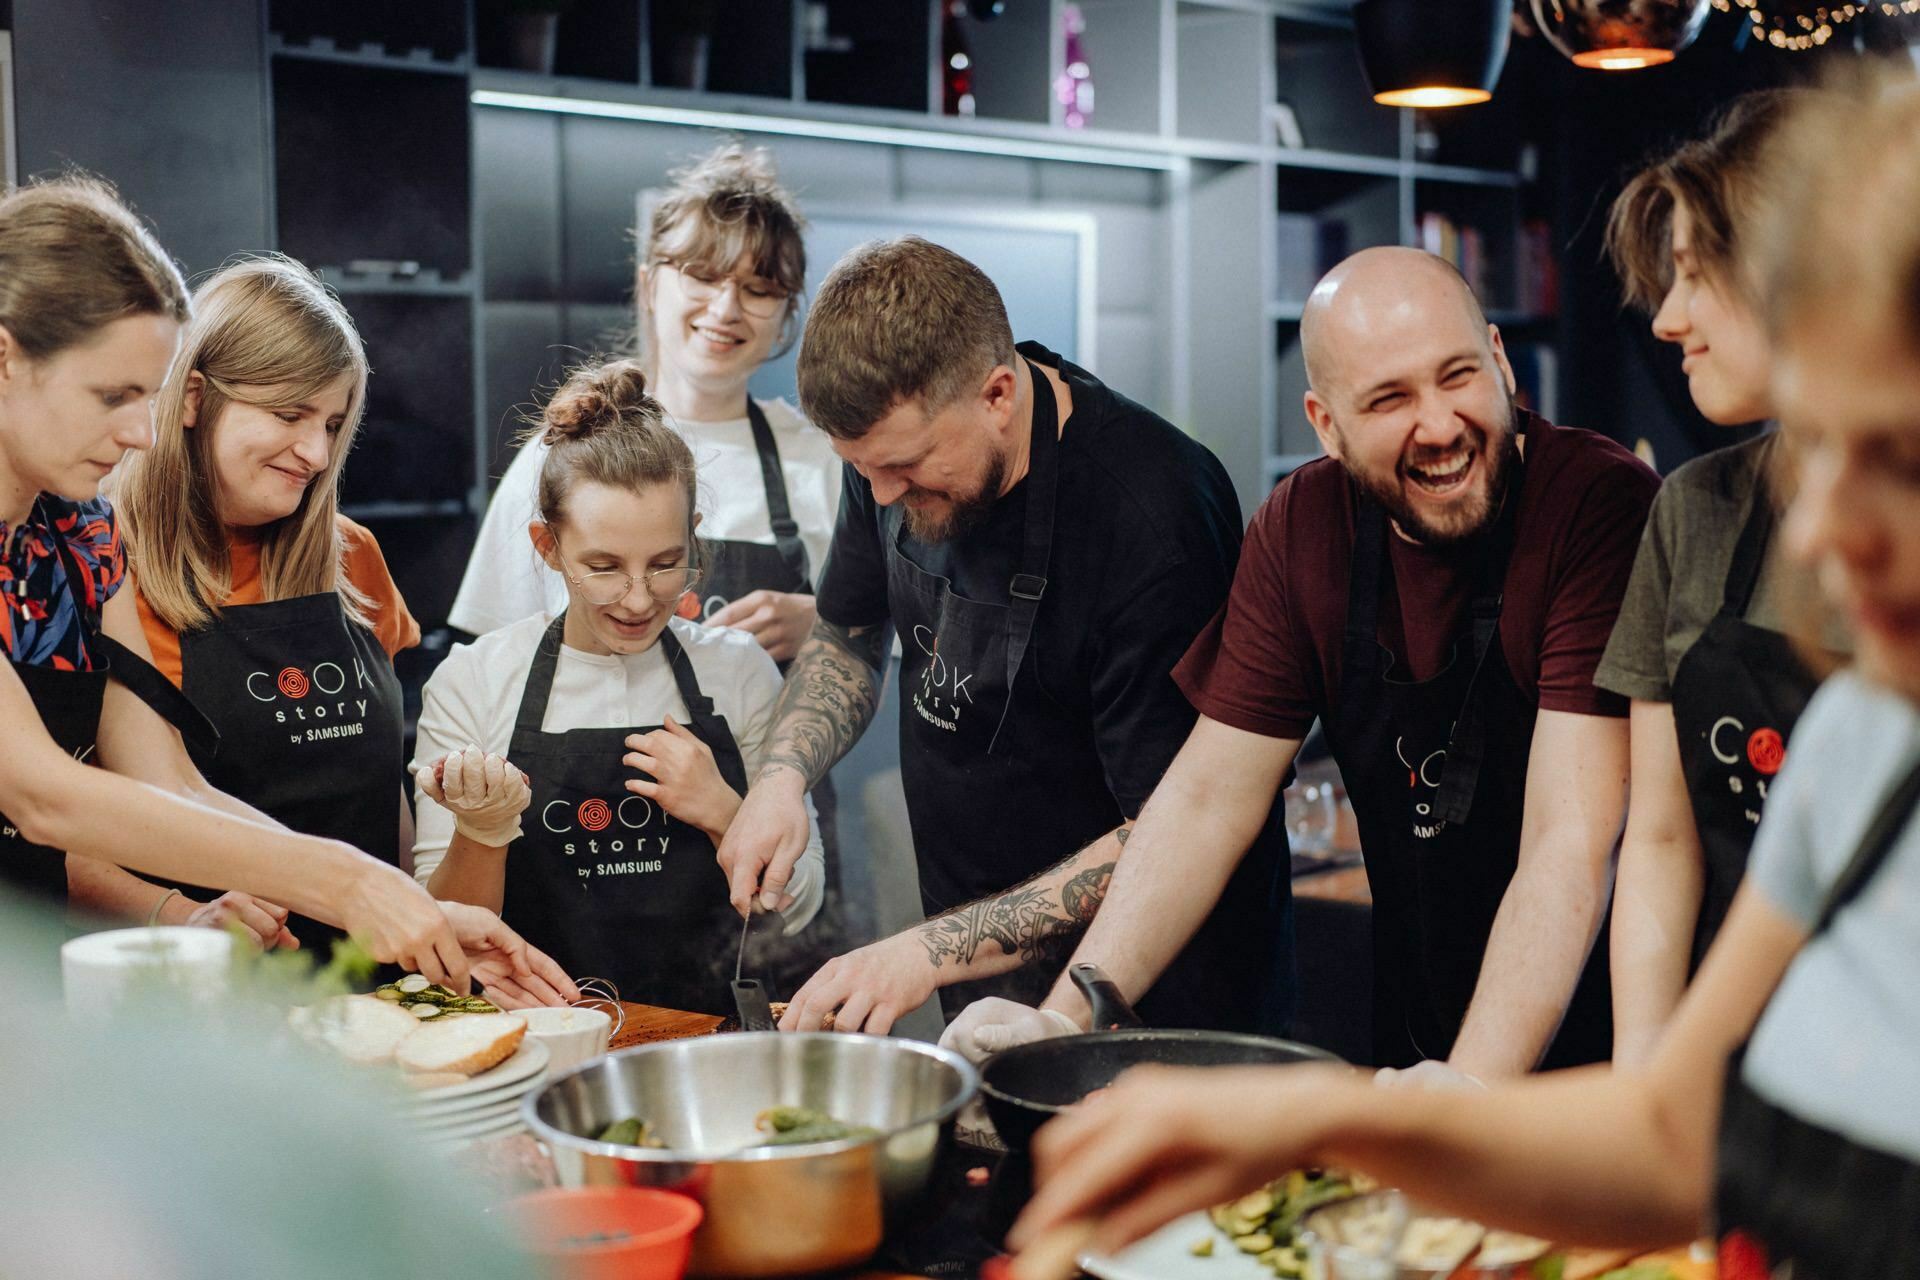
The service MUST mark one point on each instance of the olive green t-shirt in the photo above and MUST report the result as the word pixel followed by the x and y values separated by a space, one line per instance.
pixel 1680 572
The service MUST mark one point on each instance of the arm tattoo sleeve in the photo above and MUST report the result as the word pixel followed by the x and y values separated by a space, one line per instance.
pixel 1034 921
pixel 829 698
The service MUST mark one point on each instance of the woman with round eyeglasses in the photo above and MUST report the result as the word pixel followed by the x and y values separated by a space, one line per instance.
pixel 577 774
pixel 721 270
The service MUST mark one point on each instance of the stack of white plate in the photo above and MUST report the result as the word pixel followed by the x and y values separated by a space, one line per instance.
pixel 483 1106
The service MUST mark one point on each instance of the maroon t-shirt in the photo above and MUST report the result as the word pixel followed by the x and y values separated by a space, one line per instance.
pixel 1269 662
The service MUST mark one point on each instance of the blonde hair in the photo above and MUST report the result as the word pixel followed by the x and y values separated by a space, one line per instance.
pixel 1721 179
pixel 73 258
pixel 263 327
pixel 602 427
pixel 725 205
pixel 1839 238
pixel 898 321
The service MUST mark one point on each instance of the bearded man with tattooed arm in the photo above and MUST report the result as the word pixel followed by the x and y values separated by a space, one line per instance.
pixel 1046 549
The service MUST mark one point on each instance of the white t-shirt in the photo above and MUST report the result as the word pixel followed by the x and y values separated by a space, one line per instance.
pixel 1839 1043
pixel 474 697
pixel 506 581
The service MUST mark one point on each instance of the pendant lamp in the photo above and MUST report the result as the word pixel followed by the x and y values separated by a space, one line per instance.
pixel 1430 53
pixel 1620 35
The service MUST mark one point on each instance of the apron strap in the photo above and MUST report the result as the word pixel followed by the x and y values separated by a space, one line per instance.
pixel 1888 822
pixel 786 533
pixel 1467 746
pixel 533 696
pixel 1362 637
pixel 1750 553
pixel 130 670
pixel 1030 583
pixel 706 722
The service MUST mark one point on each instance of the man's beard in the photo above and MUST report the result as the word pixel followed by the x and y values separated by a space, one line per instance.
pixel 960 514
pixel 1464 520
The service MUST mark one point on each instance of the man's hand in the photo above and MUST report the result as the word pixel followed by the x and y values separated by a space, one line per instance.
pixel 780 620
pixel 865 990
pixel 265 922
pixel 988 1026
pixel 399 924
pixel 766 838
pixel 516 974
pixel 687 782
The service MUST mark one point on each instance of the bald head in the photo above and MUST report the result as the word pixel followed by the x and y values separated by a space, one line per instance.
pixel 1359 305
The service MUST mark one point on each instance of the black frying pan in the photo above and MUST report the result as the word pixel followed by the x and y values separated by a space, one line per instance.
pixel 1029 1084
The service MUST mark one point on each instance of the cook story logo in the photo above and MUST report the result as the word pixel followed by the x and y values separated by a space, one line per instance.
pixel 941 693
pixel 1760 753
pixel 634 833
pixel 324 702
pixel 1423 785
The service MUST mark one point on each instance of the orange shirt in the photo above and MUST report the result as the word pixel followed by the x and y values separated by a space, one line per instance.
pixel 366 569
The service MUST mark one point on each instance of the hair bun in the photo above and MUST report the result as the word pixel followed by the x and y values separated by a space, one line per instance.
pixel 595 397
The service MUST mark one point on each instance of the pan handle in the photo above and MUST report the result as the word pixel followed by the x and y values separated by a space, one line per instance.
pixel 1111 1012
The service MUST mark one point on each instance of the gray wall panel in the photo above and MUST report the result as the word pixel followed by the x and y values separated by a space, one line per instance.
pixel 517 184
pixel 168 101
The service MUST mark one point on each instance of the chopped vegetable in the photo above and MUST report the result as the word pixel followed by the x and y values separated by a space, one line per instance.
pixel 426 1000
pixel 793 1126
pixel 413 982
pixel 1264 1223
pixel 631 1132
pixel 1201 1248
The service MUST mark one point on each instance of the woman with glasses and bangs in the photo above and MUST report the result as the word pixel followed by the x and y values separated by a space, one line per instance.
pixel 577 774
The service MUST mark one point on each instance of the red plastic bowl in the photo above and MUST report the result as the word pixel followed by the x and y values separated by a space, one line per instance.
pixel 607 1233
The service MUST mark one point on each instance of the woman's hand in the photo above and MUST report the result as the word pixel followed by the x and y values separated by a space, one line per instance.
pixel 516 974
pixel 1163 1141
pixel 687 782
pixel 262 920
pixel 396 920
pixel 780 620
pixel 484 792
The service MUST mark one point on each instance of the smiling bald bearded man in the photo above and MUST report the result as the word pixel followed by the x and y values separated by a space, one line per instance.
pixel 1437 591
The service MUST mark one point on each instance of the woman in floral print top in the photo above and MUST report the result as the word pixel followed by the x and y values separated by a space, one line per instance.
pixel 41 624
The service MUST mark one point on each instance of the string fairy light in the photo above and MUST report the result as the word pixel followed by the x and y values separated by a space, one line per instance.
pixel 1801 26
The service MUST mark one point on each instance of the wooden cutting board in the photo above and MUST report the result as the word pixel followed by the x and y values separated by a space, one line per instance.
pixel 647 1023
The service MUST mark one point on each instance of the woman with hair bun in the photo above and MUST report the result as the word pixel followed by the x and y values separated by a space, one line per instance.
pixel 577 774
pixel 722 267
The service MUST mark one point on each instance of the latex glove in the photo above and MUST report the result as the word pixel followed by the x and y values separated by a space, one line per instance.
pixel 484 792
pixel 988 1026
pixel 1431 1074
pixel 780 620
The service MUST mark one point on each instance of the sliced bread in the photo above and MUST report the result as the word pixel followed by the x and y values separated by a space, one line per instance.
pixel 359 1028
pixel 468 1045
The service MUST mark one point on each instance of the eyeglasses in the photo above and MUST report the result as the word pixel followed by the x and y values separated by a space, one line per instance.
pixel 610 585
pixel 757 300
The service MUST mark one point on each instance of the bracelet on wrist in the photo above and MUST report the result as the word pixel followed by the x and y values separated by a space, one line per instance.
pixel 153 916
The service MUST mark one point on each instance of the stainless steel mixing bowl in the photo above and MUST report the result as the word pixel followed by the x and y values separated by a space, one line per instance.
pixel 771 1211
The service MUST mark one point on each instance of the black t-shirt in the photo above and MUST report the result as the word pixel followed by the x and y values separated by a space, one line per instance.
pixel 1146 534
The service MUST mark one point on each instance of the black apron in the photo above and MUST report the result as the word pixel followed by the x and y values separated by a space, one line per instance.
pixel 309 712
pixel 1737 694
pixel 735 568
pixel 1002 779
pixel 1793 1199
pixel 1436 770
pixel 607 882
pixel 69 705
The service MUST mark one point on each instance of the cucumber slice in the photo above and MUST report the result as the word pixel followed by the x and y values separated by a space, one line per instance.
pixel 387 992
pixel 425 1011
pixel 413 982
